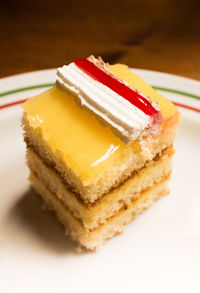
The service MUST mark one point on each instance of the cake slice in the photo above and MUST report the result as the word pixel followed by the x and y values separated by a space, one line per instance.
pixel 99 147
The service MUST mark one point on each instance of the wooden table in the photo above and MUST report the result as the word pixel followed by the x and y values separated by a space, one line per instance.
pixel 158 35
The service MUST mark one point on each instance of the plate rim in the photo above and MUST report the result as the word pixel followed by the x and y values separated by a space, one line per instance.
pixel 50 70
pixel 49 74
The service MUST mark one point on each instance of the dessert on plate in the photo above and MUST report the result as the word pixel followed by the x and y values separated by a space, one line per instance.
pixel 99 147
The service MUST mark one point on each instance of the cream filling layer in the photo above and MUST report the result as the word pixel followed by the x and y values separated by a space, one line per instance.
pixel 128 121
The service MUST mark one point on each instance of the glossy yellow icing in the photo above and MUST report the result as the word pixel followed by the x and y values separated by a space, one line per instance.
pixel 83 141
pixel 85 144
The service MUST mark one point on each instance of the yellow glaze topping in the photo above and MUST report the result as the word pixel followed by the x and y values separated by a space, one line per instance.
pixel 85 144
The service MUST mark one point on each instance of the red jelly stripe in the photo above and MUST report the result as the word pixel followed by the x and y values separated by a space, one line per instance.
pixel 118 87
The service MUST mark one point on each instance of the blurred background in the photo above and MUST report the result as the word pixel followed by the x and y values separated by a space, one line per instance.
pixel 161 35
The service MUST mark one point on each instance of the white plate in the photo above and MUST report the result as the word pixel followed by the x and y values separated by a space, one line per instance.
pixel 158 252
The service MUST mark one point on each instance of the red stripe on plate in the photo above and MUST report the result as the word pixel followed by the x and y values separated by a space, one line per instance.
pixel 187 107
pixel 12 104
pixel 8 105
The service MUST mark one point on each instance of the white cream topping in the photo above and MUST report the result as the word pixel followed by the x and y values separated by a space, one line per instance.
pixel 128 121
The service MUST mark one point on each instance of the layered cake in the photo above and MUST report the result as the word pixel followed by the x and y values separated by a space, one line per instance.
pixel 99 148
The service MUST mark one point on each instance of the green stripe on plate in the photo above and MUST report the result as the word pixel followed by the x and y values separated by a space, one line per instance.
pixel 24 89
pixel 45 85
pixel 176 92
